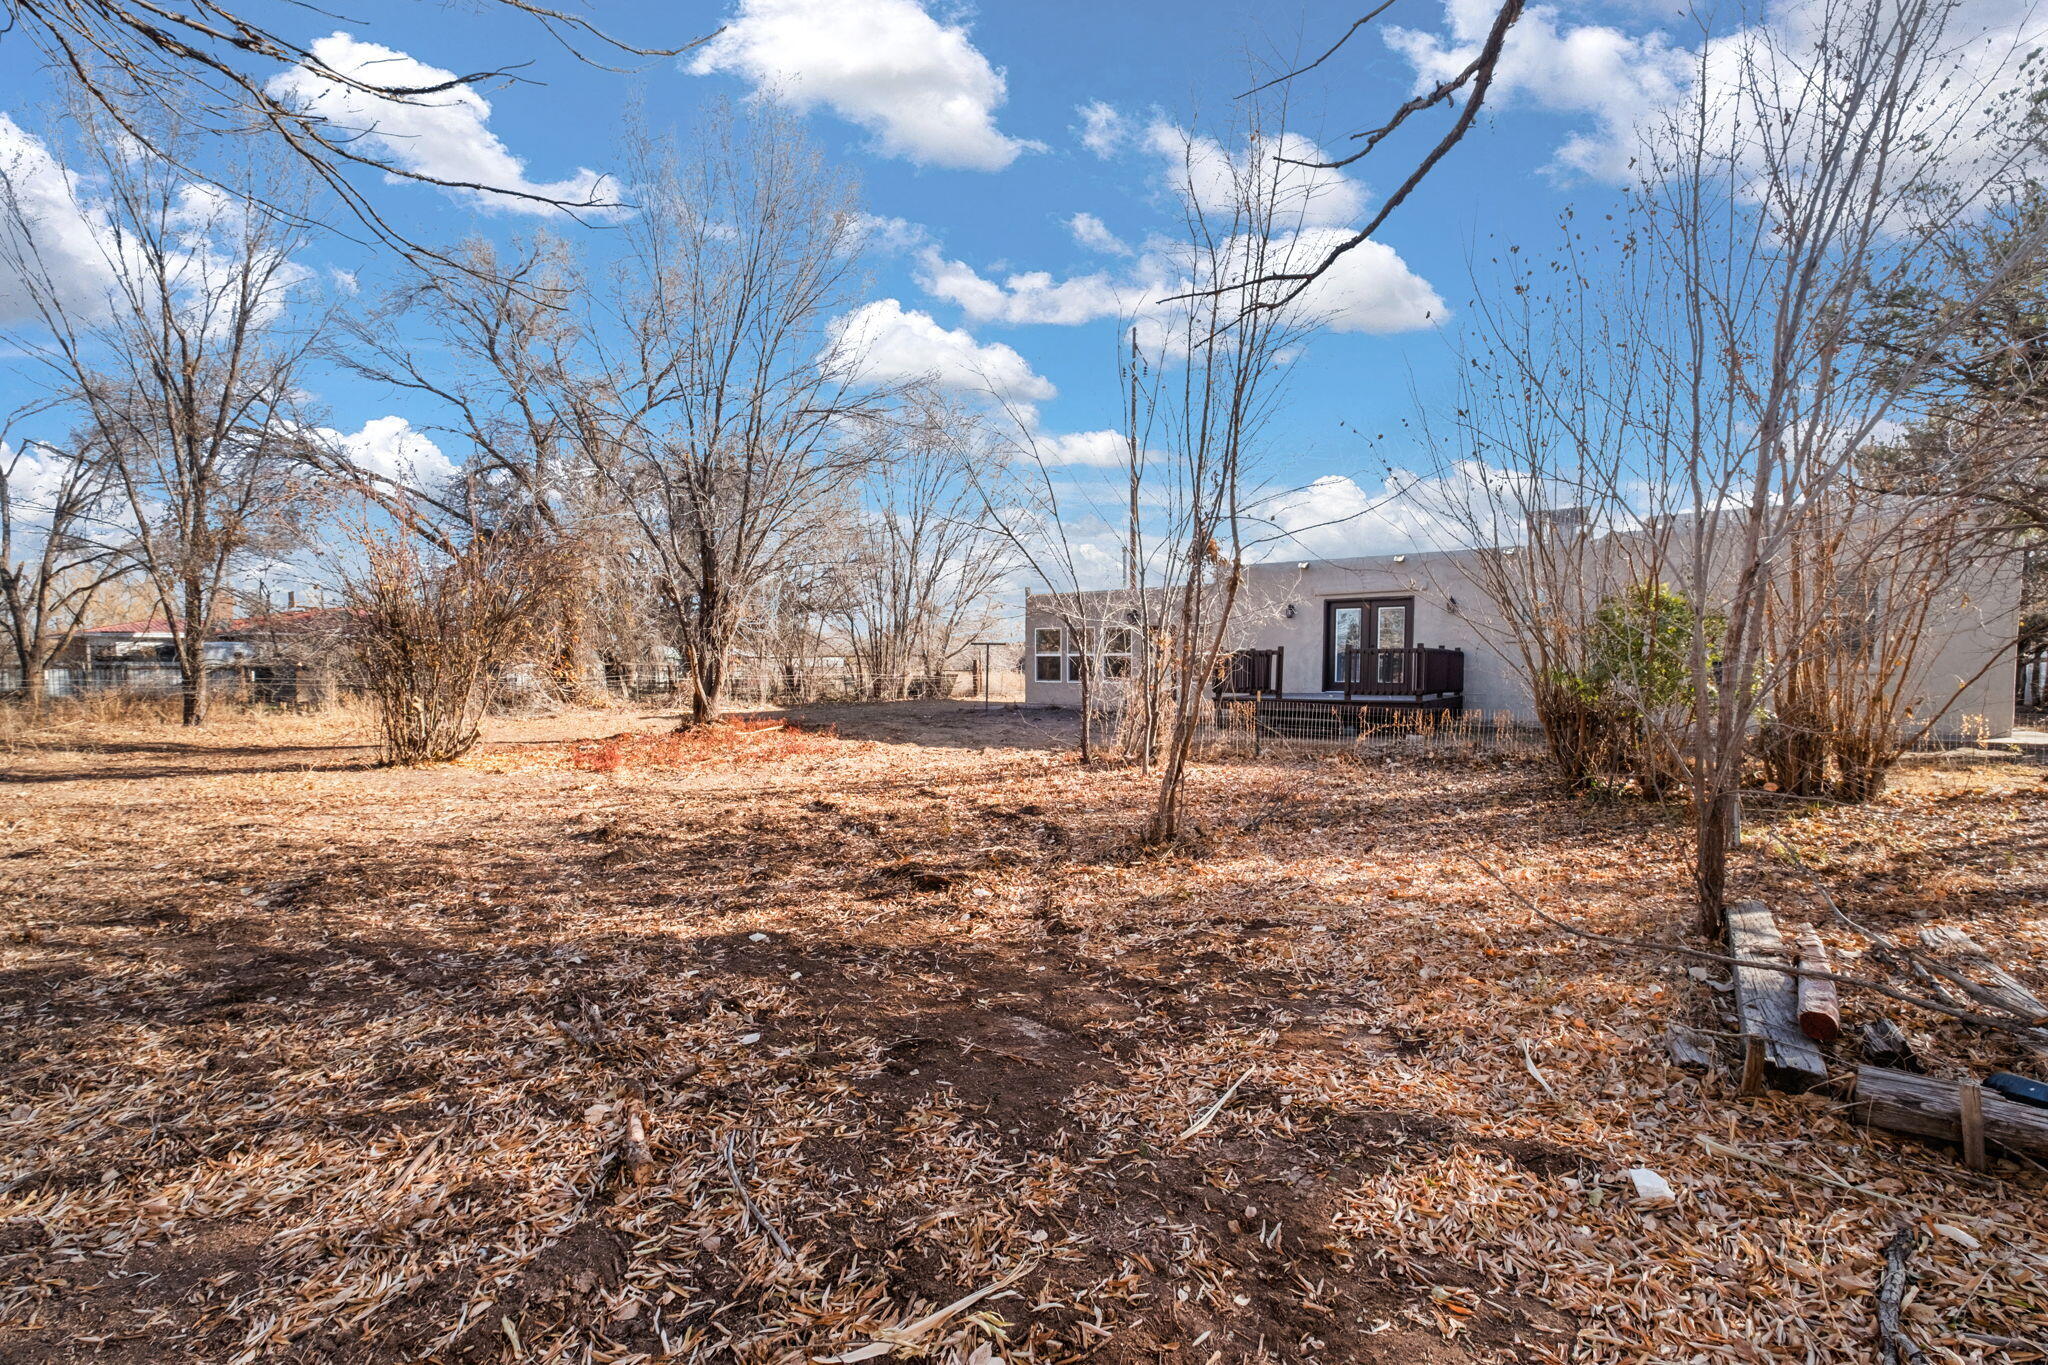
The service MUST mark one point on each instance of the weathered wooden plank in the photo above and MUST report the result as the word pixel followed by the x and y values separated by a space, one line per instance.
pixel 1768 1002
pixel 1993 984
pixel 1925 1106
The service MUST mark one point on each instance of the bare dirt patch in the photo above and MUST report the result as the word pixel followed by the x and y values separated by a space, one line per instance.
pixel 308 1061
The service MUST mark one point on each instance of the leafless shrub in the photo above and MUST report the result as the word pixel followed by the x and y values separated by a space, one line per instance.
pixel 431 625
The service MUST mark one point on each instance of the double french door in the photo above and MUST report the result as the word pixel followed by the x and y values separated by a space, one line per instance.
pixel 1366 643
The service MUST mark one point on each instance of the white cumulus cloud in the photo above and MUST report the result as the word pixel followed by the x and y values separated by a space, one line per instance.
pixel 1091 449
pixel 919 85
pixel 389 447
pixel 1203 171
pixel 1337 517
pixel 32 480
pixel 1026 297
pixel 890 343
pixel 1104 129
pixel 445 135
pixel 1625 83
pixel 1094 234
pixel 1370 289
pixel 67 240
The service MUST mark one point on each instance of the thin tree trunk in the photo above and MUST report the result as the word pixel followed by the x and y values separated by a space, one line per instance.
pixel 1714 832
pixel 34 689
pixel 191 650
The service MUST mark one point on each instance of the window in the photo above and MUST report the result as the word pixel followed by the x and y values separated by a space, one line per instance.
pixel 1048 645
pixel 1116 652
pixel 1390 634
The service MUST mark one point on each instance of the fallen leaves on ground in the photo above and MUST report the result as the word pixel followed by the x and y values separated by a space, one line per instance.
pixel 311 1061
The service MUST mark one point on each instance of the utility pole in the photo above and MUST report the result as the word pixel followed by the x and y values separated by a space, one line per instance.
pixel 986 646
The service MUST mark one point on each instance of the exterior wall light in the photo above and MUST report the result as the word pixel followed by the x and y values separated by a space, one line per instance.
pixel 1289 613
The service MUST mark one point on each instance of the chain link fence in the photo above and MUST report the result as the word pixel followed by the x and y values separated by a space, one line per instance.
pixel 813 687
pixel 271 684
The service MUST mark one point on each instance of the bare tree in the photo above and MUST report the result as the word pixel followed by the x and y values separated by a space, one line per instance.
pixel 1983 391
pixel 58 549
pixel 184 370
pixel 789 636
pixel 1870 594
pixel 1788 194
pixel 1727 394
pixel 925 565
pixel 725 413
pixel 1217 368
pixel 493 354
pixel 146 68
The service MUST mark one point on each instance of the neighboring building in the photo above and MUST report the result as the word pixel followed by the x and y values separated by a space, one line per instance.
pixel 285 657
pixel 1390 633
pixel 291 636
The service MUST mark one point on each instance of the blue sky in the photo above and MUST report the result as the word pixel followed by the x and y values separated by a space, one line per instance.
pixel 967 128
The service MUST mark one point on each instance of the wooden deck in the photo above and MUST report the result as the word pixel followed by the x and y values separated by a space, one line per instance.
pixel 1322 716
pixel 1374 687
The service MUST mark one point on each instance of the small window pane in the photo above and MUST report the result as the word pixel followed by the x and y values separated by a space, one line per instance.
pixel 1393 628
pixel 1075 666
pixel 1048 668
pixel 1049 640
pixel 1118 641
pixel 1116 665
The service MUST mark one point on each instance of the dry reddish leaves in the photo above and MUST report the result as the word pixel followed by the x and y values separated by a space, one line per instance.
pixel 310 1061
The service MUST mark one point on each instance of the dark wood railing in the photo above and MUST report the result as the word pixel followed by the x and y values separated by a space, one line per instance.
pixel 1248 671
pixel 1418 671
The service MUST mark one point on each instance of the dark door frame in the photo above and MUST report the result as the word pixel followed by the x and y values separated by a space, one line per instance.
pixel 1369 632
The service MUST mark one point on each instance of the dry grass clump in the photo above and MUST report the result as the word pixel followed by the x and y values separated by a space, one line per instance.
pixel 97 719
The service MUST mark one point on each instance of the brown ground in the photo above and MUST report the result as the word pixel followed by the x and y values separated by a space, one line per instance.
pixel 302 1060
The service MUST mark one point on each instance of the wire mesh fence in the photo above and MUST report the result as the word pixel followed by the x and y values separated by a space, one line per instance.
pixel 300 684
pixel 251 683
pixel 2031 689
pixel 812 687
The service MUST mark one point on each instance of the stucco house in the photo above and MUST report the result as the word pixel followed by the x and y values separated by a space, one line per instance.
pixel 1380 634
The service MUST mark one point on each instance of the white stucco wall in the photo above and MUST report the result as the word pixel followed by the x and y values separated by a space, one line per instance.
pixel 1975 624
pixel 1449 614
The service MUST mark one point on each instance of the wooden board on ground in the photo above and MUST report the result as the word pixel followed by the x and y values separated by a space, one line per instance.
pixel 1768 1001
pixel 1926 1106
pixel 1995 985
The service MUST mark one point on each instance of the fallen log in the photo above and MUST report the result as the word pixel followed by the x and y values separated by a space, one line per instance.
pixel 1925 1106
pixel 1820 1005
pixel 1968 961
pixel 1767 1002
pixel 1884 1045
